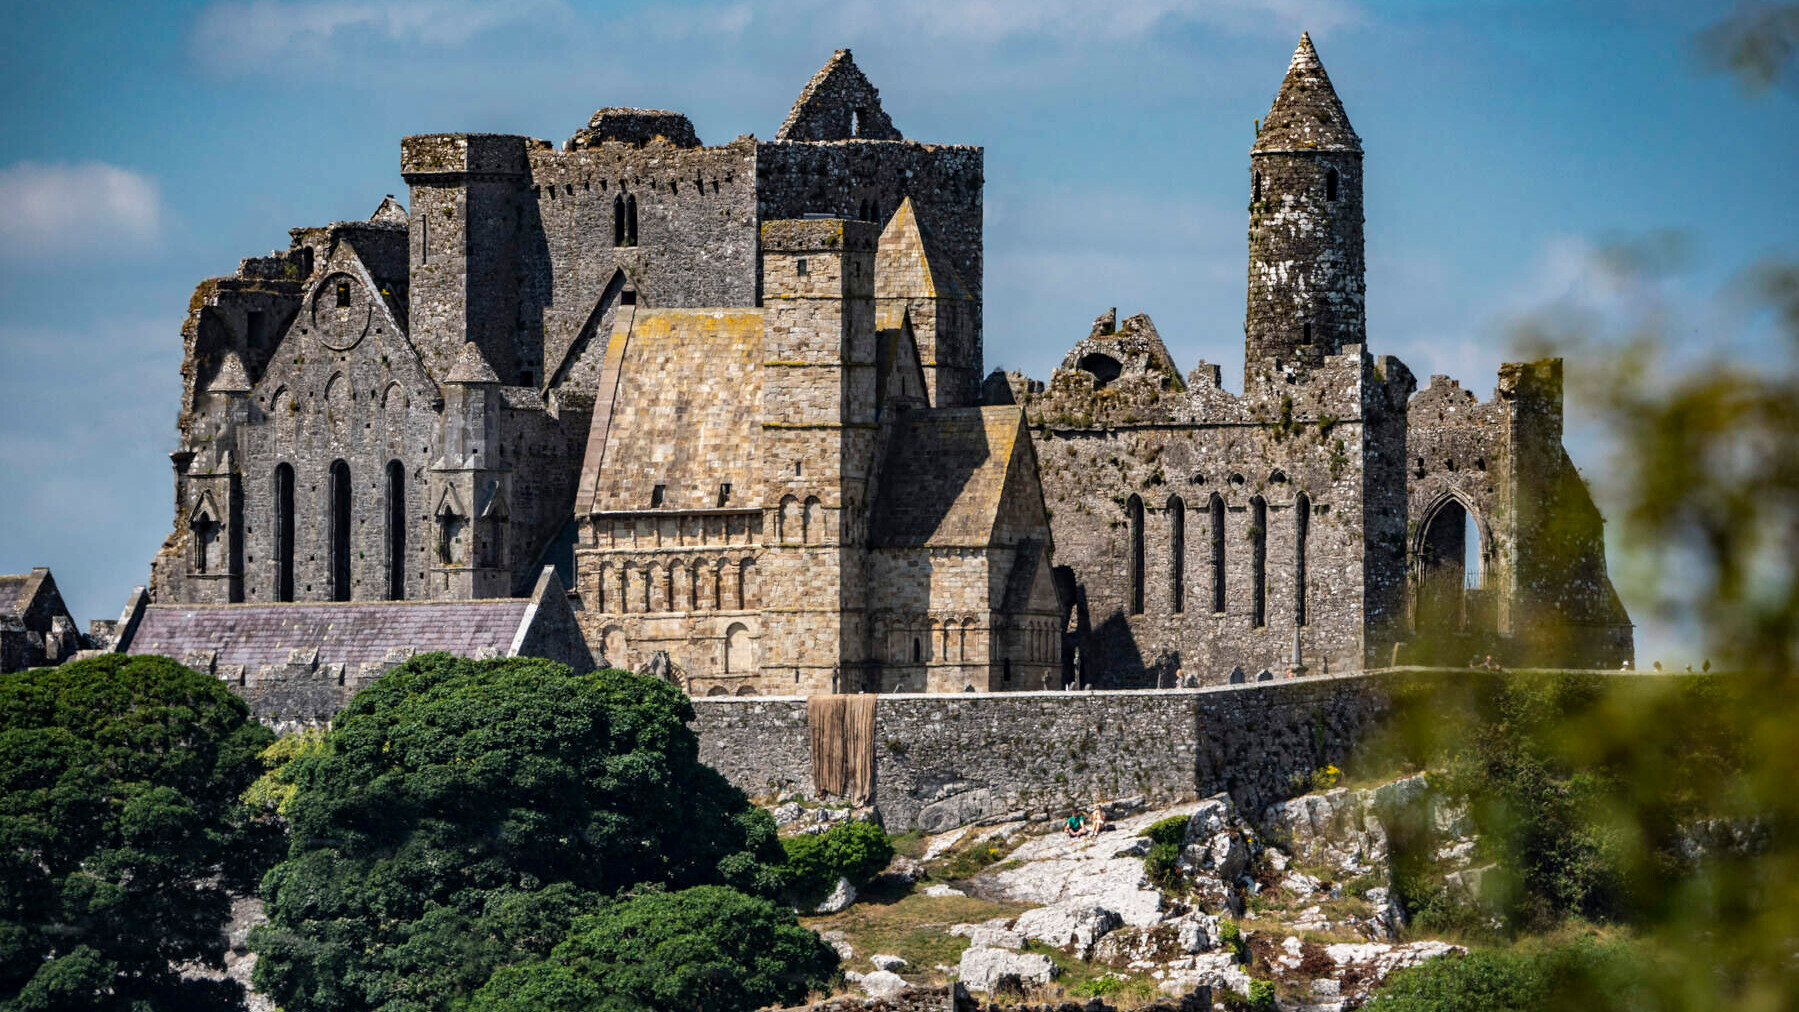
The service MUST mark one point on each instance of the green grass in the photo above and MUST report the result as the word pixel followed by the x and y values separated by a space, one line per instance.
pixel 913 927
pixel 1080 979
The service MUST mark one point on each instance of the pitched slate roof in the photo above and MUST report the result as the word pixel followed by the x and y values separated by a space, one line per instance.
pixel 1306 114
pixel 945 476
pixel 685 413
pixel 15 593
pixel 344 632
pixel 907 263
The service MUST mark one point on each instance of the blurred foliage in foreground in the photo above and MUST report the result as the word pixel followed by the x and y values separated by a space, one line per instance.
pixel 1658 811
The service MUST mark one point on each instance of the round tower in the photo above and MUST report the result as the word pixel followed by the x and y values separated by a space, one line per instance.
pixel 1306 294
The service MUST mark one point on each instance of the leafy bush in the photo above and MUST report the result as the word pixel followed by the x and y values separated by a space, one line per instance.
pixel 1161 864
pixel 274 790
pixel 1231 937
pixel 1583 974
pixel 853 850
pixel 464 813
pixel 707 948
pixel 120 831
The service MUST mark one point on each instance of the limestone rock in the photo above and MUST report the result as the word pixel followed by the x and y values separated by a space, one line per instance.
pixel 1075 927
pixel 984 969
pixel 890 963
pixel 882 983
pixel 994 934
pixel 841 897
pixel 786 813
pixel 839 941
pixel 943 890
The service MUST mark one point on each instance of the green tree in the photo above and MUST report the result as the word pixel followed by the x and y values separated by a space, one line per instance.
pixel 120 830
pixel 853 850
pixel 463 813
pixel 706 949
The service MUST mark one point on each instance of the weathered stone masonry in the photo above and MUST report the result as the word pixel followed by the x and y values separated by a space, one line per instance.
pixel 733 395
pixel 948 760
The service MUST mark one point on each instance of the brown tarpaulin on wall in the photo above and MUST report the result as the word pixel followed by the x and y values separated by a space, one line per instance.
pixel 842 730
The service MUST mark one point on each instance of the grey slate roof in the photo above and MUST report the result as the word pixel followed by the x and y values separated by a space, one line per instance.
pixel 344 632
pixel 13 596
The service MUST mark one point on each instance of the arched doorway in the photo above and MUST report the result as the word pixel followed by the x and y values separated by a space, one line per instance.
pixel 1449 571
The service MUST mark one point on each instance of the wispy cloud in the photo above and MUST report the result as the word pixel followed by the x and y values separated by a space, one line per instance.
pixel 234 36
pixel 55 209
pixel 991 20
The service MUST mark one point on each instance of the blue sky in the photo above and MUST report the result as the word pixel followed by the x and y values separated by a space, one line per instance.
pixel 145 147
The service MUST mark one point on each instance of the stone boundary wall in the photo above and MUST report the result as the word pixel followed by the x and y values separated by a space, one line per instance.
pixel 945 760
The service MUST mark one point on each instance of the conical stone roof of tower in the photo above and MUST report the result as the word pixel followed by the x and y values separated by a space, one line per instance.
pixel 1306 115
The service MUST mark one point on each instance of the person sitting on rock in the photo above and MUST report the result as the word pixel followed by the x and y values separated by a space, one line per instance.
pixel 1097 824
pixel 1076 825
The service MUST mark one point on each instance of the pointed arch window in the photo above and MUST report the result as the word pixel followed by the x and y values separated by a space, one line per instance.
pixel 284 532
pixel 1255 188
pixel 1258 561
pixel 340 531
pixel 1134 592
pixel 1177 554
pixel 618 220
pixel 396 531
pixel 630 219
pixel 1216 509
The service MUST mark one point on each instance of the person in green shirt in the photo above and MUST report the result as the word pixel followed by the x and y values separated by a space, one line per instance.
pixel 1076 825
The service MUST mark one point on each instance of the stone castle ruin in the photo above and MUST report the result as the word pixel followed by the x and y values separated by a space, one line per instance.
pixel 725 406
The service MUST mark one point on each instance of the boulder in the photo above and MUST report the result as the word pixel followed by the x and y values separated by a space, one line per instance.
pixel 1072 926
pixel 839 941
pixel 882 984
pixel 893 964
pixel 984 969
pixel 787 813
pixel 994 934
pixel 841 897
pixel 955 810
pixel 940 889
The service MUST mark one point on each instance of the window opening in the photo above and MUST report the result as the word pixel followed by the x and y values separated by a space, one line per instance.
pixel 631 219
pixel 1134 511
pixel 1302 529
pixel 396 531
pixel 1177 554
pixel 1330 186
pixel 656 494
pixel 618 220
pixel 1217 511
pixel 343 294
pixel 284 532
pixel 1258 561
pixel 340 531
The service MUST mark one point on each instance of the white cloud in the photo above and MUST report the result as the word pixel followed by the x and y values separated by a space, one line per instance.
pixel 987 20
pixel 236 36
pixel 57 209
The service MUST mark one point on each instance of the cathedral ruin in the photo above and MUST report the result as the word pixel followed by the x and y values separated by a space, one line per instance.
pixel 720 412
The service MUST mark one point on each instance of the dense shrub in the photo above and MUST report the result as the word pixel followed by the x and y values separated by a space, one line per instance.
pixel 1161 864
pixel 120 830
pixel 853 850
pixel 464 813
pixel 707 949
pixel 1584 975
